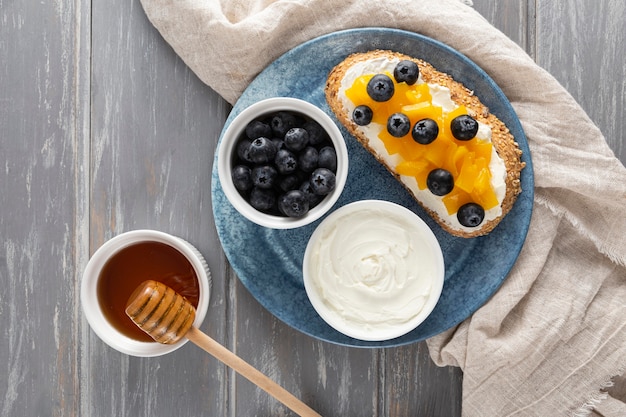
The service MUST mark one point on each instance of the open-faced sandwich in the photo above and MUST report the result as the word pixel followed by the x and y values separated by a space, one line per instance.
pixel 459 161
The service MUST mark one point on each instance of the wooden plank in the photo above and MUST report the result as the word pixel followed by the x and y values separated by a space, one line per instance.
pixel 333 380
pixel 414 385
pixel 155 127
pixel 41 155
pixel 514 18
pixel 618 390
pixel 581 43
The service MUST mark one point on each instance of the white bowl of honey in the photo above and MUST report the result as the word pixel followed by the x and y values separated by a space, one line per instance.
pixel 120 265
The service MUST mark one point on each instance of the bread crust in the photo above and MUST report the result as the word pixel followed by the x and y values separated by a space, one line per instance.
pixel 502 139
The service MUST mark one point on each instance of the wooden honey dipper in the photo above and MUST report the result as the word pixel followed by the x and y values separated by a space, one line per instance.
pixel 167 317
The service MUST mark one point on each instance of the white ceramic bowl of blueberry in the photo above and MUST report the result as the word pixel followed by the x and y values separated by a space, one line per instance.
pixel 282 162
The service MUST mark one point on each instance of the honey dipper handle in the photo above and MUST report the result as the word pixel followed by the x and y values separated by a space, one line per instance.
pixel 251 373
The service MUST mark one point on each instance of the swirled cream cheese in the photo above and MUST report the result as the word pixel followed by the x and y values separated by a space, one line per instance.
pixel 372 272
pixel 440 97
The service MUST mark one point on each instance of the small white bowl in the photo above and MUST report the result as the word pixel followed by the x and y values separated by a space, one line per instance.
pixel 89 291
pixel 228 148
pixel 373 270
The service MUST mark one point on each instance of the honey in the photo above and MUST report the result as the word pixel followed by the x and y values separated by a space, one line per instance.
pixel 131 266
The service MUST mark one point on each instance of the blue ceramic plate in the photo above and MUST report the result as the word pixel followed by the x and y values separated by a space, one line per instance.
pixel 269 262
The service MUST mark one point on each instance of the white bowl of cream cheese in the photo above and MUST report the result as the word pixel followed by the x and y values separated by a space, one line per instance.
pixel 373 270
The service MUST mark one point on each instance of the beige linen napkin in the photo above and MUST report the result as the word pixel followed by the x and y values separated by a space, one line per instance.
pixel 555 333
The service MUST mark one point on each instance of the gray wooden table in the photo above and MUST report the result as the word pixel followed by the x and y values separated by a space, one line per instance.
pixel 103 129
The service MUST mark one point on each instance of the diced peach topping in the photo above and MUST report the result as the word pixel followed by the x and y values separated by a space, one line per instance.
pixel 412 168
pixel 455 199
pixel 467 161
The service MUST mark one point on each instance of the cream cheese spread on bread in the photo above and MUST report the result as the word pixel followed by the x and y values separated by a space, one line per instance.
pixel 504 164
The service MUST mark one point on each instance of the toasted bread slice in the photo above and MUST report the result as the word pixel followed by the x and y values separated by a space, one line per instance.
pixel 485 169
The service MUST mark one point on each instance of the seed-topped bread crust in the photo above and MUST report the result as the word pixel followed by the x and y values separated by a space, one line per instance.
pixel 502 139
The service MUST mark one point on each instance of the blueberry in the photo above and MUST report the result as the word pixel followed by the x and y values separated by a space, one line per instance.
pixel 308 159
pixel 327 158
pixel 262 150
pixel 276 155
pixel 296 139
pixel 425 131
pixel 440 181
pixel 464 127
pixel 262 199
pixel 288 182
pixel 314 199
pixel 264 176
pixel 242 177
pixel 398 125
pixel 362 115
pixel 256 129
pixel 293 203
pixel 243 149
pixel 470 215
pixel 380 87
pixel 281 122
pixel 285 161
pixel 322 181
pixel 278 143
pixel 406 71
pixel 317 134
